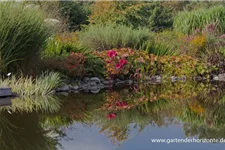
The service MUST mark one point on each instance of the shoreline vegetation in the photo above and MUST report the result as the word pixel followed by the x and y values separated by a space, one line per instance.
pixel 130 43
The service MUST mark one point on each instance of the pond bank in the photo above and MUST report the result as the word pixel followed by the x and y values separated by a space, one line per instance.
pixel 95 84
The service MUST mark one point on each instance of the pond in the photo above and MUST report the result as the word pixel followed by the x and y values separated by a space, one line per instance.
pixel 125 118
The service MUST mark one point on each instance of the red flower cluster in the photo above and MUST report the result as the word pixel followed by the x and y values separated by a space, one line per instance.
pixel 112 53
pixel 121 63
pixel 121 104
pixel 111 115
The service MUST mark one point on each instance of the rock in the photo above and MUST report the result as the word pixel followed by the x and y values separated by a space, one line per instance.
pixel 52 21
pixel 84 86
pixel 75 91
pixel 129 82
pixel 215 78
pixel 63 89
pixel 108 86
pixel 101 86
pixel 107 82
pixel 5 91
pixel 198 78
pixel 117 80
pixel 158 77
pixel 75 87
pixel 86 79
pixel 173 78
pixel 92 83
pixel 5 101
pixel 94 89
pixel 95 79
pixel 120 83
pixel 221 77
pixel 182 79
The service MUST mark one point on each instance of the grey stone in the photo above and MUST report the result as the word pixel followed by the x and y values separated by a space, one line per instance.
pixel 215 78
pixel 75 91
pixel 198 78
pixel 75 87
pixel 5 91
pixel 92 83
pixel 108 82
pixel 120 83
pixel 101 86
pixel 86 79
pixel 129 82
pixel 52 21
pixel 64 88
pixel 108 86
pixel 5 101
pixel 158 77
pixel 84 86
pixel 95 79
pixel 117 80
pixel 173 78
pixel 221 77
pixel 182 79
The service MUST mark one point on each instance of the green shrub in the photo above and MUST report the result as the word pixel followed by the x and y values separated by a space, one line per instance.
pixel 187 22
pixel 57 57
pixel 151 15
pixel 101 37
pixel 22 34
pixel 76 13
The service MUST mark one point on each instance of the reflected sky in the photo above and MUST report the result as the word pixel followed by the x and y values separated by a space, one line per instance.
pixel 88 138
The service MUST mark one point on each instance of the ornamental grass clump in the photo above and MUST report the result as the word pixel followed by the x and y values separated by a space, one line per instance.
pixel 23 33
pixel 101 37
pixel 187 22
pixel 27 86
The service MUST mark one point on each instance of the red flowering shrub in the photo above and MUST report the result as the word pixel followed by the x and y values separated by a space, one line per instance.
pixel 111 116
pixel 138 64
pixel 119 61
pixel 74 64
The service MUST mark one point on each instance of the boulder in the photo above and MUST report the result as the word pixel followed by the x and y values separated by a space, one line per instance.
pixel 5 91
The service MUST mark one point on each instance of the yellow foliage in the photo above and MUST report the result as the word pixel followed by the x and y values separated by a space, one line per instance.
pixel 198 42
pixel 197 108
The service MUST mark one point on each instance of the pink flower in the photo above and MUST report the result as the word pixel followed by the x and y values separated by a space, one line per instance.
pixel 118 66
pixel 111 115
pixel 122 104
pixel 109 61
pixel 111 53
pixel 123 62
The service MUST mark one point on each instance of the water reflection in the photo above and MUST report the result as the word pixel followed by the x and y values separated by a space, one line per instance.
pixel 39 123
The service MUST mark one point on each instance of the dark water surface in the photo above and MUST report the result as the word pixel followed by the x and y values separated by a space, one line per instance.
pixel 127 118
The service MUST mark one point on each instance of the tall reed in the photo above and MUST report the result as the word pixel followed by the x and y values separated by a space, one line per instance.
pixel 23 32
pixel 187 22
pixel 102 37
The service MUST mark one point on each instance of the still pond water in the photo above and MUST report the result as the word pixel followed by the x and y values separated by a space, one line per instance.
pixel 127 118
